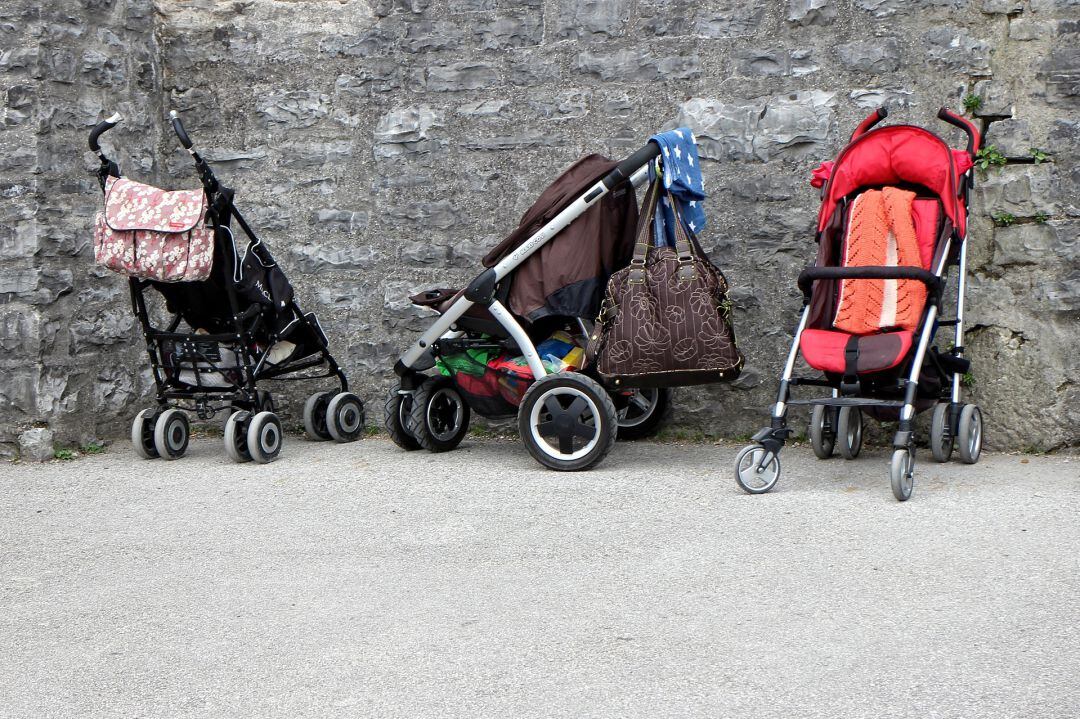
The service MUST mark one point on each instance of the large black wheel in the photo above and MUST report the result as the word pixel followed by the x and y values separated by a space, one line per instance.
pixel 171 433
pixel 142 433
pixel 941 435
pixel 849 432
pixel 345 417
pixel 397 418
pixel 641 411
pixel 264 437
pixel 439 416
pixel 969 434
pixel 315 416
pixel 567 421
pixel 823 430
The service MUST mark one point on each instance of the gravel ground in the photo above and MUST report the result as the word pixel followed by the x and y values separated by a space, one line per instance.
pixel 361 581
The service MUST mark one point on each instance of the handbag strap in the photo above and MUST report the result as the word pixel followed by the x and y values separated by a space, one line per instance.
pixel 684 249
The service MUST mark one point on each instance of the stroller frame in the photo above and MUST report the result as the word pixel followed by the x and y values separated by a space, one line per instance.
pixel 444 333
pixel 200 354
pixel 767 442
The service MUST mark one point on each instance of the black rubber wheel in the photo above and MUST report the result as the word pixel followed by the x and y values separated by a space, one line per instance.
pixel 264 437
pixel 969 434
pixel 849 432
pixel 142 433
pixel 941 435
pixel 397 418
pixel 315 416
pixel 345 417
pixel 567 421
pixel 236 428
pixel 823 430
pixel 641 412
pixel 171 434
pixel 439 415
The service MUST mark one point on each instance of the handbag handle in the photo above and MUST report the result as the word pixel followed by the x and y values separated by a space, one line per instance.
pixel 641 241
pixel 684 249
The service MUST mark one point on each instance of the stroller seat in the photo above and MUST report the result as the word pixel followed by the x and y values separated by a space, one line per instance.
pixel 827 348
pixel 477 318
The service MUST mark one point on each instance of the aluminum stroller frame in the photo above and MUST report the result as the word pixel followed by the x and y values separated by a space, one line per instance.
pixel 838 417
pixel 253 430
pixel 566 405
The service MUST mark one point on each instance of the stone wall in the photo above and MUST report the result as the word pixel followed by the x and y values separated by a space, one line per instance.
pixel 382 146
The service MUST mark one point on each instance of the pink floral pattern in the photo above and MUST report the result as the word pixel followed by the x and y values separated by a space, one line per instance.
pixel 153 234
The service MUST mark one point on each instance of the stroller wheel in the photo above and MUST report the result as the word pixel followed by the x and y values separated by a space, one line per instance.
pixel 849 432
pixel 397 418
pixel 439 415
pixel 236 428
pixel 642 412
pixel 315 416
pixel 823 431
pixel 264 437
pixel 941 436
pixel 902 474
pixel 567 421
pixel 142 433
pixel 752 478
pixel 171 431
pixel 345 417
pixel 969 434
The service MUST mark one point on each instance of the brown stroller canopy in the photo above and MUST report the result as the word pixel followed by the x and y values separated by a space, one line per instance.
pixel 567 276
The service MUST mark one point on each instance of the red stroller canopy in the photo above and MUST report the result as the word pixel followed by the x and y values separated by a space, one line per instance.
pixel 897 154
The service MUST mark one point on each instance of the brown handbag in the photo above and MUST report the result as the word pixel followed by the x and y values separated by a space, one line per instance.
pixel 666 319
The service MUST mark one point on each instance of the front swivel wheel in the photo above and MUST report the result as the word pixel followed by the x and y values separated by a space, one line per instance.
pixel 567 421
pixel 754 472
pixel 902 474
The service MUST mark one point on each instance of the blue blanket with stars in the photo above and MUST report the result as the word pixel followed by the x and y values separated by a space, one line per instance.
pixel 682 178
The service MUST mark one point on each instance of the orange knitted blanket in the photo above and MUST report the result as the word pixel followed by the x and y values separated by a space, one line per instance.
pixel 881 231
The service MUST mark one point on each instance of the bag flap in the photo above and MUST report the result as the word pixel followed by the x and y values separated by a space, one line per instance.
pixel 131 205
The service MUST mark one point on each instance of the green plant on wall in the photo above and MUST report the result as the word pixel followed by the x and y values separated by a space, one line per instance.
pixel 1003 219
pixel 972 103
pixel 989 157
pixel 1040 156
pixel 1041 218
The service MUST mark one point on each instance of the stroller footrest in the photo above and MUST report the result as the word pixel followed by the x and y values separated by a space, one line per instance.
pixel 847 402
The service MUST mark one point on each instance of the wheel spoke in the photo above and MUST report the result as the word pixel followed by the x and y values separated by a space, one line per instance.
pixel 583 430
pixel 546 429
pixel 551 404
pixel 577 407
pixel 566 443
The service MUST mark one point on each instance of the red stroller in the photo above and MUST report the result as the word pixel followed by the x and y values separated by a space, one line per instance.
pixel 893 220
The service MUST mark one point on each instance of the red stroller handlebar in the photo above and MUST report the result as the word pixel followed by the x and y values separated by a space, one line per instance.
pixel 872 119
pixel 974 139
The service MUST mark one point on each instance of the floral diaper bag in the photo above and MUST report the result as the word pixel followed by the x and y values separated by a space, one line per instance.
pixel 154 234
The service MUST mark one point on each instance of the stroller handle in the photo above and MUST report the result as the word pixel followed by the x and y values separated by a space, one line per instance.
pixel 178 128
pixel 101 128
pixel 630 165
pixel 974 139
pixel 872 119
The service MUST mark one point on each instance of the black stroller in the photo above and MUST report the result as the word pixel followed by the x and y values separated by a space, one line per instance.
pixel 893 221
pixel 542 287
pixel 241 326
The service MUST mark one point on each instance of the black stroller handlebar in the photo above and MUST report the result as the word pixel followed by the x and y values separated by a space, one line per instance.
pixel 101 128
pixel 178 127
pixel 632 164
pixel 808 276
pixel 974 140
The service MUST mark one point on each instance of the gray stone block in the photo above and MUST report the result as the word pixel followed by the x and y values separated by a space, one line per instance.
pixel 297 108
pixel 36 445
pixel 461 76
pixel 878 56
pixel 811 12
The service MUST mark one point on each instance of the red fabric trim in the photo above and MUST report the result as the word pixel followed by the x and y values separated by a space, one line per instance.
pixel 824 349
pixel 893 155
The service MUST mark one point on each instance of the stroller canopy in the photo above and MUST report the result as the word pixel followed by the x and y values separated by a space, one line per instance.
pixel 567 276
pixel 897 155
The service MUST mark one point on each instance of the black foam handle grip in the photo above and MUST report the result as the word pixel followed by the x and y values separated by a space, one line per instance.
pixel 811 274
pixel 632 164
pixel 101 128
pixel 872 119
pixel 974 138
pixel 178 128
